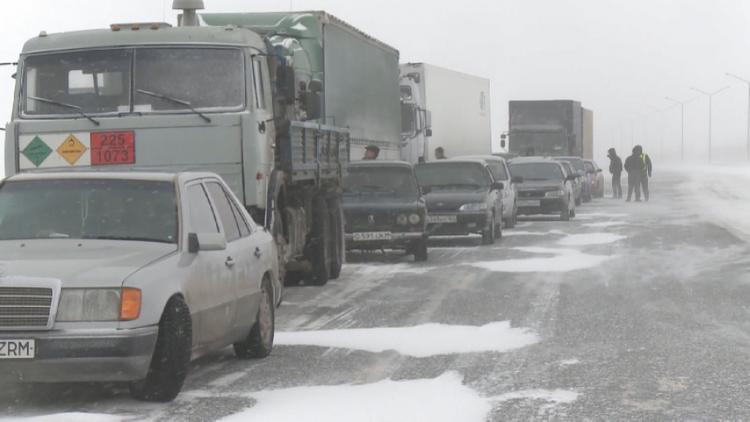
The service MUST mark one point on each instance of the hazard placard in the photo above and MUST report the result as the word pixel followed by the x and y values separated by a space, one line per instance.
pixel 71 149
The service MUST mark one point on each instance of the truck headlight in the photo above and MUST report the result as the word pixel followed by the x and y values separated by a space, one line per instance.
pixel 89 305
pixel 402 219
pixel 474 206
pixel 414 218
pixel 554 193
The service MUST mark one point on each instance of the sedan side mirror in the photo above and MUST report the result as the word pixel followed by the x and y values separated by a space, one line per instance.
pixel 206 242
pixel 516 179
pixel 498 186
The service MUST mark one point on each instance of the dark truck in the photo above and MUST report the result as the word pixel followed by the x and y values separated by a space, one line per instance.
pixel 550 128
pixel 384 208
pixel 274 103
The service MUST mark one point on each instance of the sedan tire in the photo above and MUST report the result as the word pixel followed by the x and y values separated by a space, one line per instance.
pixel 259 342
pixel 488 235
pixel 169 364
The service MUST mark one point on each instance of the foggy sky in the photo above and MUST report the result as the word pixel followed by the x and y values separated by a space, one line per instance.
pixel 619 58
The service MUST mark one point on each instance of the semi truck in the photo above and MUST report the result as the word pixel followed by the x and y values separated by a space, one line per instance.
pixel 552 128
pixel 450 110
pixel 588 134
pixel 274 103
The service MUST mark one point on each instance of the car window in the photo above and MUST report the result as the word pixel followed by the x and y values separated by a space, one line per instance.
pixel 202 218
pixel 224 209
pixel 589 166
pixel 245 229
pixel 537 171
pixel 498 170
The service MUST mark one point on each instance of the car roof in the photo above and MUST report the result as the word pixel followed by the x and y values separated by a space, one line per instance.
pixel 478 157
pixel 535 159
pixel 567 158
pixel 456 160
pixel 114 175
pixel 380 163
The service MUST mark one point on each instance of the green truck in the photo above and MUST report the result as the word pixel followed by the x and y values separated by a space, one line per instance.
pixel 275 103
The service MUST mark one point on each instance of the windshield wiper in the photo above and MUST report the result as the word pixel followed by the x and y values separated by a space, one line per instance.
pixel 65 105
pixel 176 101
pixel 132 238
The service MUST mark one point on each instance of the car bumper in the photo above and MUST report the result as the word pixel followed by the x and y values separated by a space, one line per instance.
pixel 546 206
pixel 91 356
pixel 466 223
pixel 398 240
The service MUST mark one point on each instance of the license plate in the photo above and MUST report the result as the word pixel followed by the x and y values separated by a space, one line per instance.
pixel 372 236
pixel 109 148
pixel 17 349
pixel 529 203
pixel 437 219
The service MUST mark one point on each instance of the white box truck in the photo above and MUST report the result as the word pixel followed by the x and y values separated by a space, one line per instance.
pixel 451 110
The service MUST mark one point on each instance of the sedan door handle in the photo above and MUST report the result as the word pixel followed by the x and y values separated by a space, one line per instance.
pixel 229 262
pixel 257 253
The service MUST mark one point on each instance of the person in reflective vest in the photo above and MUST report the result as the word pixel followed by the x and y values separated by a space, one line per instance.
pixel 647 170
pixel 634 167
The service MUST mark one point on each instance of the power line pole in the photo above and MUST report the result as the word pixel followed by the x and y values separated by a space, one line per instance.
pixel 682 123
pixel 731 75
pixel 710 96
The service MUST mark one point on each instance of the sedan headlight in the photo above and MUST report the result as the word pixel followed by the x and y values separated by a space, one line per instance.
pixel 554 193
pixel 414 219
pixel 474 206
pixel 89 305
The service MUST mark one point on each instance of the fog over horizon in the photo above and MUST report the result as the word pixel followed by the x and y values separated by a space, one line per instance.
pixel 620 59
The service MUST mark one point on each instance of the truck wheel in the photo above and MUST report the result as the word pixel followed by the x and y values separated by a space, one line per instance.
pixel 320 255
pixel 488 235
pixel 169 364
pixel 420 251
pixel 277 230
pixel 337 234
pixel 259 342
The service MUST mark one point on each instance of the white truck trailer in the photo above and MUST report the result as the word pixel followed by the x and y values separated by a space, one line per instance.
pixel 452 111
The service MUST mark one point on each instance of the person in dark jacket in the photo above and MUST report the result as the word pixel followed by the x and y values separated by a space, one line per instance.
pixel 371 152
pixel 647 170
pixel 634 167
pixel 615 168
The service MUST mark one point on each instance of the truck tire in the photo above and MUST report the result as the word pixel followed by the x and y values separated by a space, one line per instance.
pixel 420 251
pixel 337 235
pixel 321 251
pixel 169 364
pixel 259 342
pixel 488 235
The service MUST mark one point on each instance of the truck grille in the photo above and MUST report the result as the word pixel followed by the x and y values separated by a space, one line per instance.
pixel 25 307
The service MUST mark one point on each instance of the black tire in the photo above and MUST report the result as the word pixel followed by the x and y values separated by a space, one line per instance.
pixel 169 364
pixel 499 228
pixel 321 251
pixel 511 222
pixel 573 213
pixel 259 342
pixel 337 234
pixel 579 201
pixel 488 235
pixel 420 251
pixel 565 212
pixel 277 231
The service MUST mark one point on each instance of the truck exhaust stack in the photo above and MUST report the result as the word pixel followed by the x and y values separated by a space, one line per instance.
pixel 188 7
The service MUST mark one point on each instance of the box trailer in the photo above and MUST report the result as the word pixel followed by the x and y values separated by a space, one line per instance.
pixel 588 134
pixel 552 128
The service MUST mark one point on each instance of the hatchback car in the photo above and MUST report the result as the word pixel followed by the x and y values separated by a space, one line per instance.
pixel 500 172
pixel 462 198
pixel 545 189
pixel 384 208
pixel 127 277
pixel 580 168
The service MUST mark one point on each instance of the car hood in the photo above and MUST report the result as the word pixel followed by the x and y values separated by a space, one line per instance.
pixel 452 199
pixel 366 203
pixel 79 263
pixel 540 184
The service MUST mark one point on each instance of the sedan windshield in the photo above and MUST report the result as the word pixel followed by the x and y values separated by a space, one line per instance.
pixel 457 176
pixel 88 209
pixel 537 171
pixel 577 163
pixel 102 82
pixel 380 179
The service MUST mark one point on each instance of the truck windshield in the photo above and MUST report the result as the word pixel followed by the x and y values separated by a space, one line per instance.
pixel 380 180
pixel 109 81
pixel 453 176
pixel 88 209
pixel 536 171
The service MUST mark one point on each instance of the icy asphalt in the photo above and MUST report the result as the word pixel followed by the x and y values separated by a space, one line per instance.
pixel 629 312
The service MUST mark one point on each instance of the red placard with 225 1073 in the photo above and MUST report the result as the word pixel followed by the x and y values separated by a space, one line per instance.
pixel 112 148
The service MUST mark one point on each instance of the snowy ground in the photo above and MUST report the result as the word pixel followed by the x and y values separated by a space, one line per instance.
pixel 629 312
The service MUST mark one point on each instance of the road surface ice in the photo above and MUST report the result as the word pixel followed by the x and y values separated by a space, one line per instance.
pixel 588 239
pixel 418 341
pixel 561 260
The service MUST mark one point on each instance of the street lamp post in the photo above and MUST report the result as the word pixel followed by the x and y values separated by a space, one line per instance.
pixel 682 123
pixel 731 75
pixel 710 96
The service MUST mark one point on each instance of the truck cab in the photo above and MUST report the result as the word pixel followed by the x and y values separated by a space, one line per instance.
pixel 416 120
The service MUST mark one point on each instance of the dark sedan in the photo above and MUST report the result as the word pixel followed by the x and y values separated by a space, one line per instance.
pixel 463 198
pixel 544 187
pixel 384 208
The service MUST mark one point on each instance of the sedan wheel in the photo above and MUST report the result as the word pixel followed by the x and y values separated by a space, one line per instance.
pixel 259 342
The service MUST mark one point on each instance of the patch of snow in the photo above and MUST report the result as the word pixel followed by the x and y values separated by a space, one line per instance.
pixel 552 396
pixel 227 380
pixel 388 270
pixel 562 260
pixel 298 27
pixel 442 399
pixel 605 224
pixel 589 215
pixel 587 239
pixel 417 341
pixel 69 417
pixel 527 233
pixel 569 362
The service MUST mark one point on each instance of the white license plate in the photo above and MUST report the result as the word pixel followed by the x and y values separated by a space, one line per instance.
pixel 372 236
pixel 437 219
pixel 530 203
pixel 17 349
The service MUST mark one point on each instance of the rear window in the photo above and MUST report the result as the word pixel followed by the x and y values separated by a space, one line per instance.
pixel 537 171
pixel 447 175
pixel 380 180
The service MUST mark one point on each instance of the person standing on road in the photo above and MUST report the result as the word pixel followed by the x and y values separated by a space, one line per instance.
pixel 634 167
pixel 615 168
pixel 647 168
